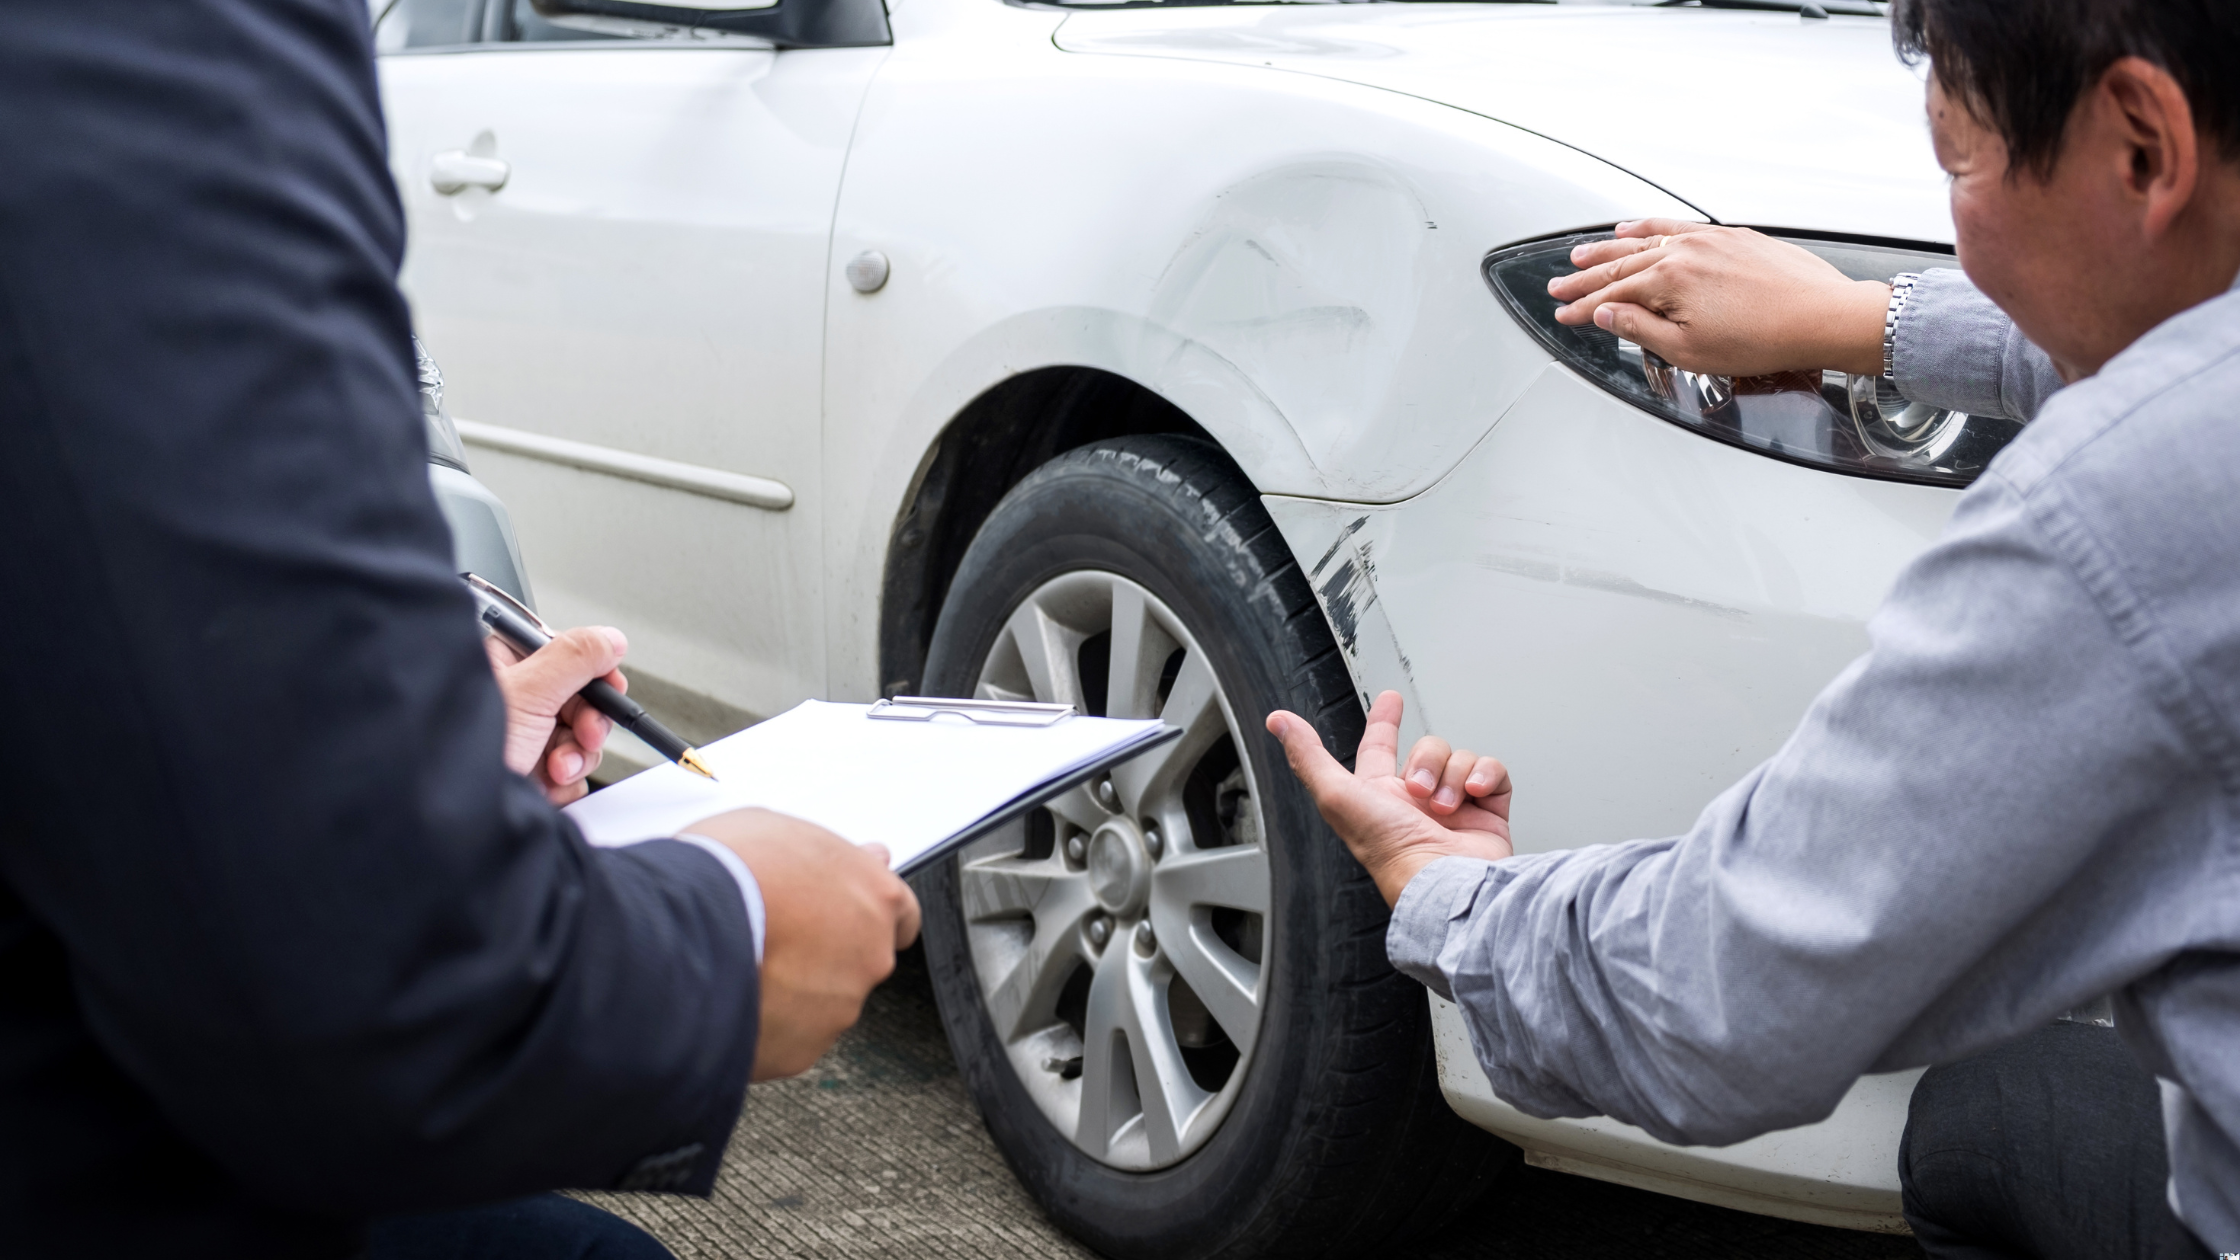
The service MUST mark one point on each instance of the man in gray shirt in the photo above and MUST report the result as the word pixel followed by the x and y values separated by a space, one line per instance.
pixel 2027 794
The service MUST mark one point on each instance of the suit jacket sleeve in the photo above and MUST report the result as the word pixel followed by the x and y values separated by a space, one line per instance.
pixel 252 777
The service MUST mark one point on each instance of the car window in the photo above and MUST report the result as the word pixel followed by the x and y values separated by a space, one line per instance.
pixel 522 25
pixel 401 24
pixel 425 23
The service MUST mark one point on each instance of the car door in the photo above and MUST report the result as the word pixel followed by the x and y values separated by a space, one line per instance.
pixel 617 251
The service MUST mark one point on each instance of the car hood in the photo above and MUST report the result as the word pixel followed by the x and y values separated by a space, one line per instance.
pixel 1752 117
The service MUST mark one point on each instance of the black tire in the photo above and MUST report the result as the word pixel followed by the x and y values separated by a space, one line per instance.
pixel 1336 1139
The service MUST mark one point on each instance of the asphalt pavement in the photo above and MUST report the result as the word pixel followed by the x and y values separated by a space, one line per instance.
pixel 878 1152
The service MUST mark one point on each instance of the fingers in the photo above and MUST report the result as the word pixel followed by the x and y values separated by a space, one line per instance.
pixel 589 726
pixel 1379 751
pixel 1445 778
pixel 834 917
pixel 569 763
pixel 904 901
pixel 501 654
pixel 906 924
pixel 550 676
pixel 1426 762
pixel 1486 777
pixel 1302 747
pixel 1638 228
pixel 1632 258
pixel 1645 328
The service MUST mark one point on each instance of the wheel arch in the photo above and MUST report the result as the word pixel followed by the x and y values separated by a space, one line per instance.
pixel 1006 432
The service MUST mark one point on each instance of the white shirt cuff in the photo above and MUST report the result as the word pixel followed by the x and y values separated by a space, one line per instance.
pixel 749 891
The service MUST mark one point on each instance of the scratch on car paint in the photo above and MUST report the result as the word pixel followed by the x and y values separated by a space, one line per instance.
pixel 1345 597
pixel 1601 580
pixel 1343 534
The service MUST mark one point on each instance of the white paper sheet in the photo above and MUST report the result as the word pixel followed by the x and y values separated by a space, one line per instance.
pixel 906 785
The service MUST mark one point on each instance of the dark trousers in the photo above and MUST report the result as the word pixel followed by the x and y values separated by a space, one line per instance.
pixel 540 1227
pixel 2048 1147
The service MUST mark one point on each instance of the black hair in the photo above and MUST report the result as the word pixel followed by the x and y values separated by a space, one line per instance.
pixel 2020 66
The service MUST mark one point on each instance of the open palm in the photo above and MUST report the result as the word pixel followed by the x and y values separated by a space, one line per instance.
pixel 1447 803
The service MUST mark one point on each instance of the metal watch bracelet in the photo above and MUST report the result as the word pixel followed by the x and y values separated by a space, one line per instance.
pixel 1901 287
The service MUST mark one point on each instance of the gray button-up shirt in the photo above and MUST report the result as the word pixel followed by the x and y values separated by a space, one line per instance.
pixel 2025 796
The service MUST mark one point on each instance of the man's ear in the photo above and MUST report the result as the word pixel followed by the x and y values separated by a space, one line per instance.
pixel 2146 112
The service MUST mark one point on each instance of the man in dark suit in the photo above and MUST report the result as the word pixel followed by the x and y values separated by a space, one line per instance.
pixel 284 943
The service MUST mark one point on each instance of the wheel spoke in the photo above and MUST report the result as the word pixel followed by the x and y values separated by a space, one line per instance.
pixel 1076 807
pixel 1011 887
pixel 1227 982
pixel 1125 1009
pixel 1026 998
pixel 1236 877
pixel 1221 979
pixel 1108 1086
pixel 1046 648
pixel 1194 704
pixel 1139 650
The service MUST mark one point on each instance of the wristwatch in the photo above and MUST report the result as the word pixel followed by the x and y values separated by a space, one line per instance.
pixel 1901 288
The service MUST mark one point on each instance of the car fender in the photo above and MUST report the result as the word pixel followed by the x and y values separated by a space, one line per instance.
pixel 1301 282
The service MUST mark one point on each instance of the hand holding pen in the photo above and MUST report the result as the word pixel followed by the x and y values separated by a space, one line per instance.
pixel 562 689
pixel 552 736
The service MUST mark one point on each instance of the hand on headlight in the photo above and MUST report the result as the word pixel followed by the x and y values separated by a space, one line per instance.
pixel 1727 301
pixel 1446 803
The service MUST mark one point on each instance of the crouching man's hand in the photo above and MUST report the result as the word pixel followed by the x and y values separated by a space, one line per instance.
pixel 834 915
pixel 1724 300
pixel 1447 802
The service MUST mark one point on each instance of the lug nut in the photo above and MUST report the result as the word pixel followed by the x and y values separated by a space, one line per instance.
pixel 1146 943
pixel 1153 843
pixel 1107 795
pixel 1077 848
pixel 1100 931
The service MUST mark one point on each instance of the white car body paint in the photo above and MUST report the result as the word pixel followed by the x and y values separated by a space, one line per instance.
pixel 1756 117
pixel 1272 217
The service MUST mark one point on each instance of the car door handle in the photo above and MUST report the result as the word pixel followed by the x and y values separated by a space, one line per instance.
pixel 458 170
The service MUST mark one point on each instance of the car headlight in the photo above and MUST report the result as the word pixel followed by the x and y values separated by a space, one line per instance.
pixel 443 436
pixel 1849 424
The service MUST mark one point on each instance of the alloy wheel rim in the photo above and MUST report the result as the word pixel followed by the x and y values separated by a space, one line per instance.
pixel 1118 939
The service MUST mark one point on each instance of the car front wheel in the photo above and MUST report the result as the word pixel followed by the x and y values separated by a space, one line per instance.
pixel 1168 991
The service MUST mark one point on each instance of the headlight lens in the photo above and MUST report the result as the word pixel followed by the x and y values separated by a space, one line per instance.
pixel 1859 425
pixel 443 436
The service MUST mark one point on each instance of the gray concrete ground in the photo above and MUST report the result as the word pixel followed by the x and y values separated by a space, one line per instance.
pixel 878 1152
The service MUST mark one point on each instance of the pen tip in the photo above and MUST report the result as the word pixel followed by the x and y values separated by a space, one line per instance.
pixel 690 760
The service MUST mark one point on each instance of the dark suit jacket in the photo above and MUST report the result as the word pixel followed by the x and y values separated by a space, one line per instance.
pixel 282 944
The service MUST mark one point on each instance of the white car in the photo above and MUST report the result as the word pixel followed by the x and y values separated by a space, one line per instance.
pixel 1195 360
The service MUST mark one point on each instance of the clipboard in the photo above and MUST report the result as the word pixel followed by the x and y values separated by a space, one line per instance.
pixel 921 775
pixel 1019 807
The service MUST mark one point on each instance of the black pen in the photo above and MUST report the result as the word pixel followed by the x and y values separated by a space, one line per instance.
pixel 518 628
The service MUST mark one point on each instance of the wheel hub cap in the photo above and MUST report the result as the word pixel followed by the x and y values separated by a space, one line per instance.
pixel 1119 870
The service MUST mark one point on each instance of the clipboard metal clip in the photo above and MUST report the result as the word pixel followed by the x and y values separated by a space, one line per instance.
pixel 984 712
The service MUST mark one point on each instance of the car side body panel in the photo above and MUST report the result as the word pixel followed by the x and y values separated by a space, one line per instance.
pixel 649 281
pixel 1299 280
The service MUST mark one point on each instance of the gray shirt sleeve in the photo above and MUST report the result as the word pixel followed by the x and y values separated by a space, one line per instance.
pixel 1955 349
pixel 1871 898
